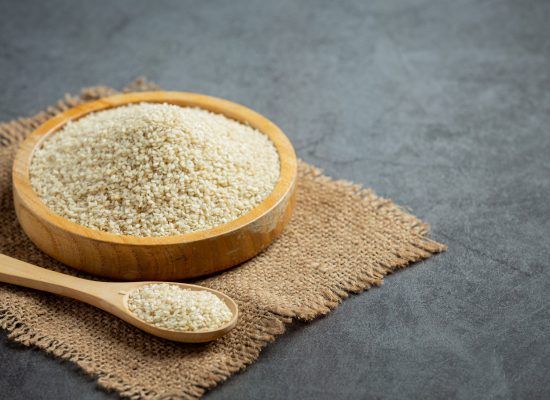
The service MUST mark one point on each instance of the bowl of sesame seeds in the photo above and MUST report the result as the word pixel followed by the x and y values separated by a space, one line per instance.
pixel 155 185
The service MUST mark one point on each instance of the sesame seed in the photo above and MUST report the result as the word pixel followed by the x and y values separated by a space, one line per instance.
pixel 170 306
pixel 154 170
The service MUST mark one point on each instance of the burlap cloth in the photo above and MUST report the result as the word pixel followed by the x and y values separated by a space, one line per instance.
pixel 342 239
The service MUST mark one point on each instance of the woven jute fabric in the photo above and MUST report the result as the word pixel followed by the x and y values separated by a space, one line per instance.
pixel 342 239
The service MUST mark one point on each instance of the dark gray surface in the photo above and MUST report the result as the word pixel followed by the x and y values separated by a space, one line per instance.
pixel 443 106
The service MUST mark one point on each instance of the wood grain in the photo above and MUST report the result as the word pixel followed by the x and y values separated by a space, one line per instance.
pixel 156 258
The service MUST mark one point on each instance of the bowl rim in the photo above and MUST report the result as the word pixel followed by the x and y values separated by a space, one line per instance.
pixel 29 198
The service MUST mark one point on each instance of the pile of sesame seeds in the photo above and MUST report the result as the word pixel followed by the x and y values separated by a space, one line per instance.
pixel 154 170
pixel 170 306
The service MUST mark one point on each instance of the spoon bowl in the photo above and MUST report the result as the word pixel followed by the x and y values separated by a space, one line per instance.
pixel 124 289
pixel 109 296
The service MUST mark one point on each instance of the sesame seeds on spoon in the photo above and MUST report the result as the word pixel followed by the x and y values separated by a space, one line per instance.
pixel 204 318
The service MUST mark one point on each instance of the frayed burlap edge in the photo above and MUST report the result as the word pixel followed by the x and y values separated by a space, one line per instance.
pixel 275 320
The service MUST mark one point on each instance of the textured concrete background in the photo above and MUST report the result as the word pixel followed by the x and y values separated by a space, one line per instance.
pixel 443 106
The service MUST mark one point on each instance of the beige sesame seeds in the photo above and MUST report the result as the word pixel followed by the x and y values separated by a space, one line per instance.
pixel 170 306
pixel 154 170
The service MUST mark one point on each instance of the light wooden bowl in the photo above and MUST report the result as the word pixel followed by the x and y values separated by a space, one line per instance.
pixel 156 258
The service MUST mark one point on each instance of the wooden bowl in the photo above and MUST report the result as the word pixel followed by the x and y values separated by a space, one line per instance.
pixel 156 258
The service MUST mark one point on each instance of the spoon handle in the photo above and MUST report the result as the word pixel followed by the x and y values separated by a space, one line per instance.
pixel 24 274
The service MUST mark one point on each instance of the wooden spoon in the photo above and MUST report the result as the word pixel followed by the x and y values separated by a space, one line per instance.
pixel 109 296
